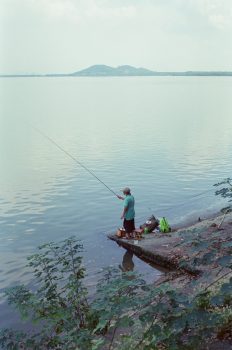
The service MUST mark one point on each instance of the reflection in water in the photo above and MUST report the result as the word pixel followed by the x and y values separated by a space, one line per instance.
pixel 127 262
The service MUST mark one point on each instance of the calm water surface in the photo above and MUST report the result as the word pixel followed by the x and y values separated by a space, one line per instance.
pixel 169 139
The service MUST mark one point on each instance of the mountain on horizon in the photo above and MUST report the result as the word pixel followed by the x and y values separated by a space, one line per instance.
pixel 104 70
pixel 101 70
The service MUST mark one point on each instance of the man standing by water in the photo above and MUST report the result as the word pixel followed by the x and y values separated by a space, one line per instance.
pixel 128 213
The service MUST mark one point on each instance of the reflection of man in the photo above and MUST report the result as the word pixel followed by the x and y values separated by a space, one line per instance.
pixel 128 213
pixel 127 262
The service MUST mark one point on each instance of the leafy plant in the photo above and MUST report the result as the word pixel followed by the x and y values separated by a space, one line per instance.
pixel 59 306
pixel 226 189
pixel 125 314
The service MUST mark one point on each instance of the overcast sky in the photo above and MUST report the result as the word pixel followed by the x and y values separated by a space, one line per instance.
pixel 68 35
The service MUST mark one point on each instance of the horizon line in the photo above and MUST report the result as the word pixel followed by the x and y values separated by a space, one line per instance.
pixel 148 72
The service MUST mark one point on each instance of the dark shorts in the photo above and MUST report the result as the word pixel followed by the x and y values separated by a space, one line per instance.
pixel 129 225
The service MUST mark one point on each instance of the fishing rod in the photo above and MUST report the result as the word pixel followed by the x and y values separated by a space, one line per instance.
pixel 73 158
pixel 97 178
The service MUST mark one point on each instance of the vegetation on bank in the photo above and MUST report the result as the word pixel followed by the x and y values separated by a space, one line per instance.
pixel 126 312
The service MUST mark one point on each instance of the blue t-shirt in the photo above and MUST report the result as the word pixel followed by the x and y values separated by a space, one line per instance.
pixel 129 203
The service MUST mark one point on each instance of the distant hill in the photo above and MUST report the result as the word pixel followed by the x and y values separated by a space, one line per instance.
pixel 103 70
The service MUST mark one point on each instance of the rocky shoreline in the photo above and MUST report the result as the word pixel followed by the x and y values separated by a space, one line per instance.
pixel 169 249
pixel 197 257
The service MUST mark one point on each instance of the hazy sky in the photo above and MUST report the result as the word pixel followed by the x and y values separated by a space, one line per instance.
pixel 68 35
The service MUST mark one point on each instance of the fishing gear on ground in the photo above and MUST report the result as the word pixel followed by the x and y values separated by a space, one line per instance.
pixel 152 225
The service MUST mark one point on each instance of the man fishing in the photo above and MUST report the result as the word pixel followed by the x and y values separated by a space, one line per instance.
pixel 128 213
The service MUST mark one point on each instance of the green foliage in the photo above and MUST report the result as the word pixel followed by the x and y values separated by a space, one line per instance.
pixel 59 306
pixel 125 314
pixel 226 189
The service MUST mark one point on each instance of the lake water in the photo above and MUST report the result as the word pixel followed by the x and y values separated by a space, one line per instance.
pixel 168 138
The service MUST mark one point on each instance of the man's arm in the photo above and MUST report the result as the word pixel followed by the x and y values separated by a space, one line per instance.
pixel 124 212
pixel 120 197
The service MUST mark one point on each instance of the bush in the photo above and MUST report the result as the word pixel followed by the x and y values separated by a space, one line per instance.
pixel 126 313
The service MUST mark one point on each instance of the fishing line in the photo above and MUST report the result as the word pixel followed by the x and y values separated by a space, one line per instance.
pixel 181 204
pixel 186 201
pixel 102 182
pixel 73 158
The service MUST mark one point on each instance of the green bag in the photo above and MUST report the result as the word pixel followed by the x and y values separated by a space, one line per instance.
pixel 164 225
